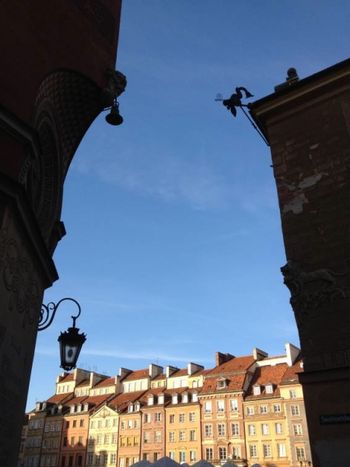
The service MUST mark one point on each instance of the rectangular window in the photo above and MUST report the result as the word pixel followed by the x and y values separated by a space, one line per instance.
pixel 171 418
pixel 147 418
pixel 267 450
pixel 107 439
pixel 157 417
pixel 221 429
pixel 181 417
pixel 207 407
pixel 263 409
pixel 292 394
pixel 278 428
pixel 90 458
pixel 297 429
pixel 72 441
pixel 171 436
pixel 80 440
pixel 192 416
pixel 81 422
pixel 250 410
pixel 253 450
pixel 277 408
pixel 193 456
pixel 209 454
pixel 235 429
pixel 208 431
pixel 269 388
pixel 265 430
pixel 113 459
pixel 281 448
pixel 182 456
pixel 171 454
pixel 114 438
pixel 222 454
pixel 192 435
pixel 236 452
pixel 220 406
pixel 158 437
pixel 294 410
pixel 234 405
pixel 300 452
pixel 251 430
pixel 74 423
pixel 182 436
pixel 256 390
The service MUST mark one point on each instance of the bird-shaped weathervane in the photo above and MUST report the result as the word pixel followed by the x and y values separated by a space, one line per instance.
pixel 235 101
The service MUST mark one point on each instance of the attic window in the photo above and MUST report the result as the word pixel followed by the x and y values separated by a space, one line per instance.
pixel 137 406
pixel 221 384
pixel 174 399
pixel 130 408
pixel 269 388
pixel 194 397
pixel 150 400
pixel 256 390
pixel 185 398
pixel 161 399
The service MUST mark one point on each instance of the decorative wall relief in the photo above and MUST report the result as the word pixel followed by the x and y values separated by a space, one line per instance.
pixel 310 291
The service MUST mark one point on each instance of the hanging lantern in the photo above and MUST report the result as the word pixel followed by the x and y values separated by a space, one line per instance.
pixel 71 342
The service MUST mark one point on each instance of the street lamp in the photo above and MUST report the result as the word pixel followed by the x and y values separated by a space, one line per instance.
pixel 70 341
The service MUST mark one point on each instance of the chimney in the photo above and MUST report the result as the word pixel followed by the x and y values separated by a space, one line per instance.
pixel 259 354
pixel 292 353
pixel 169 370
pixel 221 358
pixel 154 370
pixel 123 372
pixel 193 368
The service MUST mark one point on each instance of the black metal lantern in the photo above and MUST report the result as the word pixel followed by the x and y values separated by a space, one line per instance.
pixel 70 341
pixel 114 118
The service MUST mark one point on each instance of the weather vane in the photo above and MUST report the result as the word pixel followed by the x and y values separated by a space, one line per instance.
pixel 235 102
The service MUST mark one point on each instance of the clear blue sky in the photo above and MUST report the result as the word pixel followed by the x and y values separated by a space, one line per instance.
pixel 173 243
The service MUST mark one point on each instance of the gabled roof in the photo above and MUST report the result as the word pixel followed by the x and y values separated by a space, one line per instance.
pixel 234 383
pixel 235 364
pixel 77 400
pixel 66 378
pixel 291 374
pixel 178 373
pixel 60 398
pixel 159 377
pixel 121 401
pixel 105 382
pixel 267 375
pixel 138 374
pixel 84 382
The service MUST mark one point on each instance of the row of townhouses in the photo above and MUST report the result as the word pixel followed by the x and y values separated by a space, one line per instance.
pixel 248 409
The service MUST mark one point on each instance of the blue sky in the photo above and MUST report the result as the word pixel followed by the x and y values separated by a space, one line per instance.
pixel 173 243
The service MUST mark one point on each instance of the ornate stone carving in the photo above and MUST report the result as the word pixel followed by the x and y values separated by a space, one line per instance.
pixel 311 290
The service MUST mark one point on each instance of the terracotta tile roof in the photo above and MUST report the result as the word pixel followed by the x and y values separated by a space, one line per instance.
pixel 60 398
pixel 234 383
pixel 291 374
pixel 154 392
pixel 95 401
pixel 236 364
pixel 267 375
pixel 158 377
pixel 105 382
pixel 67 377
pixel 121 401
pixel 84 382
pixel 138 374
pixel 182 372
pixel 76 400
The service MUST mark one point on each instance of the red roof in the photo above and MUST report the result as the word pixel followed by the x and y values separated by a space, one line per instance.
pixel 66 377
pixel 76 400
pixel 138 374
pixel 182 372
pixel 291 374
pixel 84 382
pixel 59 398
pixel 105 382
pixel 234 383
pixel 267 375
pixel 121 401
pixel 162 376
pixel 236 364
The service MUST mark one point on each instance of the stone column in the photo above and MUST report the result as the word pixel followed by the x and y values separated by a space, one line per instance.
pixel 307 123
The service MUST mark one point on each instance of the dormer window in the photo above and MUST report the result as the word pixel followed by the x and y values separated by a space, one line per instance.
pixel 221 383
pixel 150 400
pixel 72 409
pixel 256 390
pixel 174 399
pixel 185 398
pixel 86 407
pixel 161 399
pixel 137 406
pixel 194 397
pixel 130 408
pixel 269 388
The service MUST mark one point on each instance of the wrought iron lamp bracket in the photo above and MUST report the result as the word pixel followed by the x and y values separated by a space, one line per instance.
pixel 48 313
